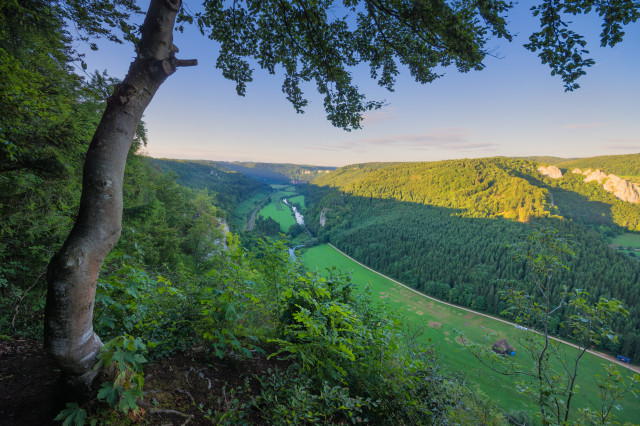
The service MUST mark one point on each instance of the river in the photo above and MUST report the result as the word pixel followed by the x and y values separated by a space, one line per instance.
pixel 299 221
pixel 296 213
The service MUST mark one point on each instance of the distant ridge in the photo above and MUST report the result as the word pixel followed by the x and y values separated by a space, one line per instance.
pixel 276 172
pixel 547 159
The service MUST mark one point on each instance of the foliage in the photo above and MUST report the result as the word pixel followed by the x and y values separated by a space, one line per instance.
pixel 123 357
pixel 47 117
pixel 285 397
pixel 495 187
pixel 342 340
pixel 73 414
pixel 286 35
pixel 227 189
pixel 319 326
pixel 266 226
pixel 552 389
pixel 612 389
pixel 590 204
pixel 223 319
pixel 626 166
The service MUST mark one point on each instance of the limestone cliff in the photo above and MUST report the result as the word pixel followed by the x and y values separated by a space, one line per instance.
pixel 551 171
pixel 622 189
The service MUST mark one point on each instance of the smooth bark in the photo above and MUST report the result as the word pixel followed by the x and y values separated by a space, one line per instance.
pixel 73 272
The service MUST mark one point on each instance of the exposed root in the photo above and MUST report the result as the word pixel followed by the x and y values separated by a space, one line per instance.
pixel 164 411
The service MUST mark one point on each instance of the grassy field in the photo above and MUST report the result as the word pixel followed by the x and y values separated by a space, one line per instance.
pixel 279 212
pixel 298 200
pixel 625 241
pixel 443 325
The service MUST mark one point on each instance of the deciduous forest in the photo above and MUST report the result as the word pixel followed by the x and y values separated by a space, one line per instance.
pixel 132 293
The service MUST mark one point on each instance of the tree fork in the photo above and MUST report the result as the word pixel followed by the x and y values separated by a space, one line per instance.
pixel 73 272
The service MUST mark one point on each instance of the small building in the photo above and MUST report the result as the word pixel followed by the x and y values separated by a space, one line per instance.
pixel 502 347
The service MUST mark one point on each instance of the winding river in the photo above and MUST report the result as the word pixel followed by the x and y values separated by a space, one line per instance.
pixel 299 221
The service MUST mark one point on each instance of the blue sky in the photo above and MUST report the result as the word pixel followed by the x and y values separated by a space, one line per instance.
pixel 514 107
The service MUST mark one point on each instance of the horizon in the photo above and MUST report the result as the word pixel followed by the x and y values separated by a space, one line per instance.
pixel 525 157
pixel 512 107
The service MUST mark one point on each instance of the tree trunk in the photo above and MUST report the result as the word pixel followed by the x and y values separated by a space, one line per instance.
pixel 73 272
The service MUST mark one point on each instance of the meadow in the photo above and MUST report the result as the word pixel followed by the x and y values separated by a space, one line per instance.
pixel 298 200
pixel 279 211
pixel 444 326
pixel 626 241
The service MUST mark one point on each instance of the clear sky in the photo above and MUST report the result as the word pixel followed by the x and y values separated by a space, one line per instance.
pixel 514 107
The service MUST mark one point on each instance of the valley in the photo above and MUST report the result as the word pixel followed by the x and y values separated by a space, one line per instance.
pixel 442 325
pixel 444 234
pixel 174 254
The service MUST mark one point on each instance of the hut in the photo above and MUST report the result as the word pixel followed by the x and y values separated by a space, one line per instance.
pixel 502 347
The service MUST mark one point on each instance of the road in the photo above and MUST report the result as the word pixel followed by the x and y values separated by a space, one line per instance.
pixel 598 354
pixel 253 215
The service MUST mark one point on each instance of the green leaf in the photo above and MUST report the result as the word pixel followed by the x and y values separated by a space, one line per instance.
pixel 73 414
pixel 108 393
pixel 128 401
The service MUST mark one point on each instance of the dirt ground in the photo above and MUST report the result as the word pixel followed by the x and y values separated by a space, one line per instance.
pixel 175 387
pixel 27 381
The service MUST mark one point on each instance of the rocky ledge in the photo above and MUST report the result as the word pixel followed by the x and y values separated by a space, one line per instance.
pixel 622 189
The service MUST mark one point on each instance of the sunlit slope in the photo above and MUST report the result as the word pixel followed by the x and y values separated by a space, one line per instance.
pixel 493 187
pixel 489 188
pixel 625 166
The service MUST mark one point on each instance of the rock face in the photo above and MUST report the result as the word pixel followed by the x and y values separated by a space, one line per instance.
pixel 622 189
pixel 551 171
pixel 222 241
pixel 323 217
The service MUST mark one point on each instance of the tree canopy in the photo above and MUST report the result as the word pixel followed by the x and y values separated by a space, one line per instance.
pixel 320 42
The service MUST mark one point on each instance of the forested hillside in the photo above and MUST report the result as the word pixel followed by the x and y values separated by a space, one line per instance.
pixel 625 166
pixel 488 188
pixel 446 229
pixel 228 188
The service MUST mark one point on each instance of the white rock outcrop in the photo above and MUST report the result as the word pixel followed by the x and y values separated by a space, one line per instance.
pixel 598 176
pixel 551 171
pixel 622 189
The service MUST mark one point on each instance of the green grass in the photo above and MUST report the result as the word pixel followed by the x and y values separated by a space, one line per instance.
pixel 279 212
pixel 298 200
pixel 622 243
pixel 627 240
pixel 442 324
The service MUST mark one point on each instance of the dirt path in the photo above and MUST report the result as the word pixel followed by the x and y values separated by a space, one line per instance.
pixel 253 215
pixel 598 354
